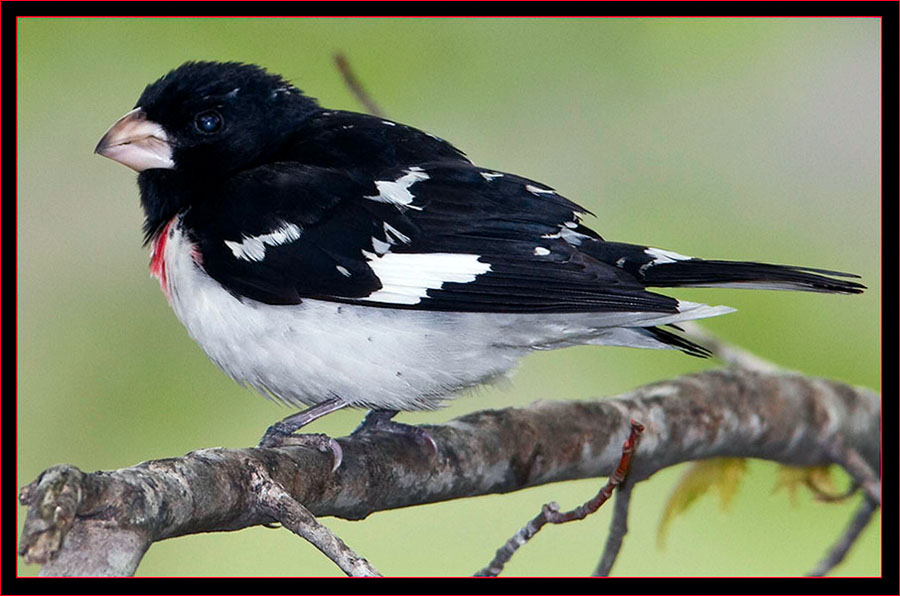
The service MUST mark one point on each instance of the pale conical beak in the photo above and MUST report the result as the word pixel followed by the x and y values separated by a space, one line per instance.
pixel 137 142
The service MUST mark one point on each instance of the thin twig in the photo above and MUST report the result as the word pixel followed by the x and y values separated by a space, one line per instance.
pixel 827 497
pixel 861 472
pixel 550 513
pixel 362 96
pixel 273 500
pixel 618 527
pixel 839 550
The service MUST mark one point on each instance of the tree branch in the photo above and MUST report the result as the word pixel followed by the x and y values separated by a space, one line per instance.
pixel 276 502
pixel 727 352
pixel 618 527
pixel 102 523
pixel 840 549
pixel 550 513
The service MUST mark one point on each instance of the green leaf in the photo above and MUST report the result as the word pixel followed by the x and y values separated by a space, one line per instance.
pixel 723 474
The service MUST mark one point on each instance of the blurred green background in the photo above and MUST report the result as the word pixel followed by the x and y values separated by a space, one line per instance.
pixel 746 139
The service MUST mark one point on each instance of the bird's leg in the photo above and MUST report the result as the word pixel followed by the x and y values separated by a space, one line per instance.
pixel 380 420
pixel 282 434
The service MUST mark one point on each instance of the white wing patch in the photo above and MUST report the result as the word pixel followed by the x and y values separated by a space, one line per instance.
pixel 253 248
pixel 396 191
pixel 407 277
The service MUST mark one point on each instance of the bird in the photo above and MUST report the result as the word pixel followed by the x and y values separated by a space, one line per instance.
pixel 332 259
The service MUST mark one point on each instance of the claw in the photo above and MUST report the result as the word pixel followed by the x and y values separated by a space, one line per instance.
pixel 380 420
pixel 426 436
pixel 276 437
pixel 337 454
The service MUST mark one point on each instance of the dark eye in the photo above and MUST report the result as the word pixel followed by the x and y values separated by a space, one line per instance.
pixel 208 122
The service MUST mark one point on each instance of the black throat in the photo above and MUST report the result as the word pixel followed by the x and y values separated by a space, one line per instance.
pixel 164 194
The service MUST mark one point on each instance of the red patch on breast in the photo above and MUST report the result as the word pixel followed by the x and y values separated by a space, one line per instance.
pixel 158 258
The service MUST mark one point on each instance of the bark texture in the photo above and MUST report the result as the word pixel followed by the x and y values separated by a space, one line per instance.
pixel 102 523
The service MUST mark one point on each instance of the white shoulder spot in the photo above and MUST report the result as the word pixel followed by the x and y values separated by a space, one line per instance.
pixel 389 123
pixel 286 90
pixel 540 251
pixel 342 270
pixel 568 234
pixel 491 175
pixel 397 191
pixel 253 248
pixel 407 277
pixel 539 191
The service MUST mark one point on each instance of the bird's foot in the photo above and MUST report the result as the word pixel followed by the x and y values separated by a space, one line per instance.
pixel 279 437
pixel 380 420
pixel 282 433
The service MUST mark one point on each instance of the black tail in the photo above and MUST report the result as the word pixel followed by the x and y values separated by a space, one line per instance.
pixel 661 269
pixel 676 341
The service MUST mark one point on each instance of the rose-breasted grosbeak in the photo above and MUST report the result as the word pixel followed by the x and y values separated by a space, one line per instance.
pixel 335 259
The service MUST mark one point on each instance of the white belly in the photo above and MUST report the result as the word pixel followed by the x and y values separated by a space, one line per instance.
pixel 376 357
pixel 368 356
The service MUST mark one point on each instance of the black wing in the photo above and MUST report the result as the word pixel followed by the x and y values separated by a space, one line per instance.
pixel 365 143
pixel 438 236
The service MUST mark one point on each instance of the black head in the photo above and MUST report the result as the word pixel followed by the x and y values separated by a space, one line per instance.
pixel 201 122
pixel 222 117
